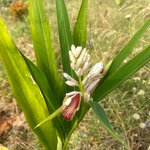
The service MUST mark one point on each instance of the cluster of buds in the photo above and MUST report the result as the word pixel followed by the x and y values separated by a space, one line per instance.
pixel 88 76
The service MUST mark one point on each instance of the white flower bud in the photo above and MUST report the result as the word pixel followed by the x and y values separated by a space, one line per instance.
pixel 96 70
pixel 67 76
pixel 73 48
pixel 77 51
pixel 85 57
pixel 79 63
pixel 73 66
pixel 92 86
pixel 85 81
pixel 86 66
pixel 82 53
pixel 79 72
pixel 73 93
pixel 86 96
pixel 72 83
pixel 88 57
pixel 72 57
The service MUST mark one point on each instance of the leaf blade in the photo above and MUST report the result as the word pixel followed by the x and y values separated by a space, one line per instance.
pixel 42 82
pixel 41 37
pixel 65 35
pixel 122 74
pixel 126 50
pixel 80 29
pixel 50 99
pixel 24 89
pixel 65 38
pixel 104 121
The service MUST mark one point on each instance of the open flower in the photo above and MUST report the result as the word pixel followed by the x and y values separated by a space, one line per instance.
pixel 71 104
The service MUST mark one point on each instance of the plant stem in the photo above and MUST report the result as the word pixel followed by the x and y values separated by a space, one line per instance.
pixel 80 85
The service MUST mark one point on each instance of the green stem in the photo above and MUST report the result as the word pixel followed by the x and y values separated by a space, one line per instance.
pixel 80 85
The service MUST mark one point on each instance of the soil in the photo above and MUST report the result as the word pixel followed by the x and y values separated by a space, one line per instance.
pixel 14 130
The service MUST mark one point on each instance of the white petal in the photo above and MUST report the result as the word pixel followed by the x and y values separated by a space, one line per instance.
pixel 86 66
pixel 86 96
pixel 73 93
pixel 73 66
pixel 73 49
pixel 71 83
pixel 85 81
pixel 92 86
pixel 95 70
pixel 67 101
pixel 85 57
pixel 72 57
pixel 79 63
pixel 88 57
pixel 77 51
pixel 79 72
pixel 68 77
pixel 82 53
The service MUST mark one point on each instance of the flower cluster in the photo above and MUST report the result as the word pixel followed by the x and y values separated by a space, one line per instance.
pixel 88 79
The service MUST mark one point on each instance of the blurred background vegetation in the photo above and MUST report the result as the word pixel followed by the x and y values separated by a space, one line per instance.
pixel 111 24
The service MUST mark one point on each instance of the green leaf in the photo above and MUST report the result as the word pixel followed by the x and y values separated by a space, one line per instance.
pixel 49 118
pixel 80 29
pixel 50 99
pixel 65 36
pixel 101 114
pixel 117 61
pixel 40 31
pixel 42 82
pixel 122 74
pixel 25 90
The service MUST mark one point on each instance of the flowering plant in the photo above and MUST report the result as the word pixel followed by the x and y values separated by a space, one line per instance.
pixel 43 95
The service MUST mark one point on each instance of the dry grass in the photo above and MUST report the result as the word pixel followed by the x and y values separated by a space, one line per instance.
pixel 108 30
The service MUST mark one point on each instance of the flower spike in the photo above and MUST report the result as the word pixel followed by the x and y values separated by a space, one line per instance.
pixel 88 79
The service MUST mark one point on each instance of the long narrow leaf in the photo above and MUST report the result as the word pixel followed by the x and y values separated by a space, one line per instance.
pixel 42 82
pixel 65 36
pixel 25 90
pixel 50 99
pixel 122 74
pixel 49 118
pixel 80 29
pixel 101 114
pixel 40 31
pixel 128 48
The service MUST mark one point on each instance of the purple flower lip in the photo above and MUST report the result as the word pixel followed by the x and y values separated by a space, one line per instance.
pixel 71 104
